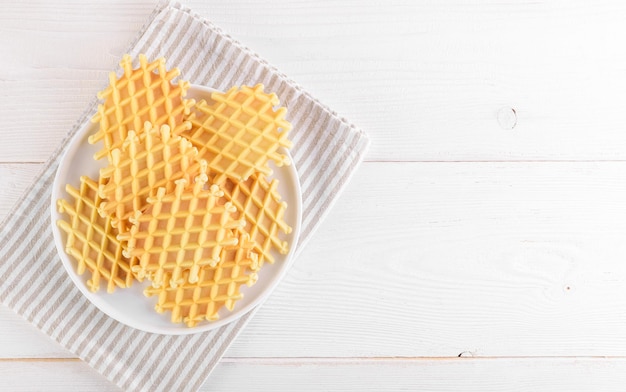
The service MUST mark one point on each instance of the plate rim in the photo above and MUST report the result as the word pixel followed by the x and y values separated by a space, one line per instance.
pixel 73 144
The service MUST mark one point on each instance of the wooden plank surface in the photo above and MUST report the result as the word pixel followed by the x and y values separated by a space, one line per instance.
pixel 435 259
pixel 434 375
pixel 488 221
pixel 439 84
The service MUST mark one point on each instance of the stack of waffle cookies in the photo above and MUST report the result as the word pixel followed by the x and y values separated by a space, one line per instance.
pixel 186 199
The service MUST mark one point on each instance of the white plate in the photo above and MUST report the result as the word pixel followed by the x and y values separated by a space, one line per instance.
pixel 130 306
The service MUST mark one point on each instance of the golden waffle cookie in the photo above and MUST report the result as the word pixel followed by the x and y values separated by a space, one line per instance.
pixel 238 132
pixel 152 160
pixel 186 229
pixel 139 95
pixel 92 240
pixel 215 288
pixel 260 203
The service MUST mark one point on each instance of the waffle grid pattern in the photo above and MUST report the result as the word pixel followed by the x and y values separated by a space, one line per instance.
pixel 92 240
pixel 154 159
pixel 259 202
pixel 145 93
pixel 215 288
pixel 239 131
pixel 183 230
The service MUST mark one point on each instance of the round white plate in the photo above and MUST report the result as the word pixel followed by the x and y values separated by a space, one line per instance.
pixel 130 306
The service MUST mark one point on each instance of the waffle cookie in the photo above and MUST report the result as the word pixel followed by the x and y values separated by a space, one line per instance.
pixel 239 131
pixel 182 230
pixel 145 93
pixel 216 287
pixel 258 201
pixel 185 200
pixel 92 240
pixel 154 159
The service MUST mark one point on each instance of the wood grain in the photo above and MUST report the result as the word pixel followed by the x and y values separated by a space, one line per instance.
pixel 429 89
pixel 487 223
pixel 56 56
pixel 21 340
pixel 435 259
pixel 438 259
pixel 14 179
pixel 526 374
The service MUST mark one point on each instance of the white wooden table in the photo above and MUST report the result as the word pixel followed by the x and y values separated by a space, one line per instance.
pixel 480 247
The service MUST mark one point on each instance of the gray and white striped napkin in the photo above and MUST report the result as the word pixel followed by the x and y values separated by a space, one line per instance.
pixel 327 150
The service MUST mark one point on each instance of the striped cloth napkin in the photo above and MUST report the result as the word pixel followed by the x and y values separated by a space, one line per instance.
pixel 327 150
